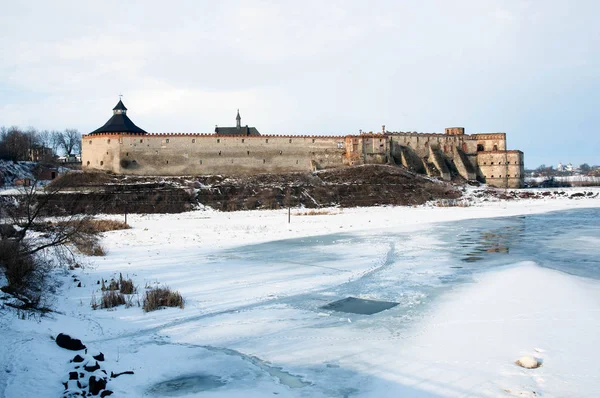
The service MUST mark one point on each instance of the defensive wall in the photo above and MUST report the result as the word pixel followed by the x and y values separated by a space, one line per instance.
pixel 475 156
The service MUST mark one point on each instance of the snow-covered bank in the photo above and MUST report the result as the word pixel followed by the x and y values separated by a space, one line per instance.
pixel 470 343
pixel 227 229
pixel 254 325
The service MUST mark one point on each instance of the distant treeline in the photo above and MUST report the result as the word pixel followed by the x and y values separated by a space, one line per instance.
pixel 37 145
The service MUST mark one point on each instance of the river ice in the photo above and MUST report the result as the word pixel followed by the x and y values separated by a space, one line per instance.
pixel 257 321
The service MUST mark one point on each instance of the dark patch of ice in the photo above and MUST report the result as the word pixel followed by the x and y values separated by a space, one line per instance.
pixel 186 385
pixel 355 305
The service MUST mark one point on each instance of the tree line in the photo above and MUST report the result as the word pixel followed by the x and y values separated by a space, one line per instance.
pixel 31 144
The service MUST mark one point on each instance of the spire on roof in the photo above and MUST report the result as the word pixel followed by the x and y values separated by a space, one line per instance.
pixel 119 108
pixel 238 120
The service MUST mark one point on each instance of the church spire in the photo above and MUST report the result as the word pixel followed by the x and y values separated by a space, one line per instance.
pixel 238 120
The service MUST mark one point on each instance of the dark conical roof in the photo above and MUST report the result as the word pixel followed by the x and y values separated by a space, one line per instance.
pixel 120 106
pixel 119 123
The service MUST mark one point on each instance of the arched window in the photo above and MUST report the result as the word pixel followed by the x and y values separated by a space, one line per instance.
pixel 480 148
pixel 495 147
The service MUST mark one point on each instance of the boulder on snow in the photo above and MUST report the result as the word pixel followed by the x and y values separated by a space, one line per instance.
pixel 106 393
pixel 69 343
pixel 529 362
pixel 99 357
pixel 91 368
pixel 77 358
pixel 96 385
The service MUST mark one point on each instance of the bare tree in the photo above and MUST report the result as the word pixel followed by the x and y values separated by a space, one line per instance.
pixel 20 249
pixel 69 141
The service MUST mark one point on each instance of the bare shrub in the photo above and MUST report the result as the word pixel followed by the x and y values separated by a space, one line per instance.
pixel 126 285
pixel 111 298
pixel 160 297
pixel 17 267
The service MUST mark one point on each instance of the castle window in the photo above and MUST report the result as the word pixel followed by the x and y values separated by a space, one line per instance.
pixel 167 140
pixel 141 141
pixel 267 141
pixel 491 162
pixel 340 145
pixel 200 161
pixel 108 141
pixel 264 161
pixel 218 140
pixel 219 153
pixel 495 147
pixel 281 152
pixel 313 140
pixel 101 163
pixel 242 140
pixel 193 140
pixel 290 140
pixel 500 176
pixel 248 152
pixel 90 142
pixel 492 176
pixel 167 162
pixel 88 162
pixel 480 148
pixel 107 152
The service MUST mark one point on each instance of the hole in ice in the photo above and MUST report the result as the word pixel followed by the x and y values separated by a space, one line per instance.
pixel 355 305
pixel 186 385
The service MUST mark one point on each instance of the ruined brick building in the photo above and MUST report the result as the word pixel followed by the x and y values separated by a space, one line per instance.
pixel 123 148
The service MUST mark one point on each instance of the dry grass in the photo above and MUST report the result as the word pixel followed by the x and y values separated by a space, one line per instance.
pixel 160 297
pixel 125 286
pixel 315 213
pixel 111 298
pixel 451 203
pixel 95 226
pixel 89 246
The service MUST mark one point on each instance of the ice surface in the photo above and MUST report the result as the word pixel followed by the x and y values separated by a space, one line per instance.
pixel 254 319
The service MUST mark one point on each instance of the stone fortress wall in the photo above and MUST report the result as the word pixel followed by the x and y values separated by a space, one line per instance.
pixel 476 156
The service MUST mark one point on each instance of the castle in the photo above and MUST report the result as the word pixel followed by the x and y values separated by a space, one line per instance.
pixel 122 147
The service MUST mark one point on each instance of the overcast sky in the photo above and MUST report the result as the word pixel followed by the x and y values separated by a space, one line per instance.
pixel 527 68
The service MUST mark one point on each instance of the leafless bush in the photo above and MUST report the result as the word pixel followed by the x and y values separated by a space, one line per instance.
pixel 17 267
pixel 160 297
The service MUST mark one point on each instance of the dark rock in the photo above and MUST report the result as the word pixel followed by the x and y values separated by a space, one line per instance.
pixel 99 357
pixel 96 385
pixel 115 375
pixel 66 385
pixel 79 284
pixel 65 341
pixel 106 393
pixel 77 358
pixel 73 376
pixel 81 375
pixel 91 368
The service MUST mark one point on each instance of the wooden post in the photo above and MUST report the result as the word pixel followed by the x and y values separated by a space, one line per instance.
pixel 289 214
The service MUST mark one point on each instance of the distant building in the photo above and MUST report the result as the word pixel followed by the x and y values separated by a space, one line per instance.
pixel 238 129
pixel 39 152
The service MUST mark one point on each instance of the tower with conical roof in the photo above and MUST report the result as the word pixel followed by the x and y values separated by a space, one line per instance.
pixel 238 120
pixel 119 123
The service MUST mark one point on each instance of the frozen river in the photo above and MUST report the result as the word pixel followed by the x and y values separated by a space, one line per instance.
pixel 451 304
